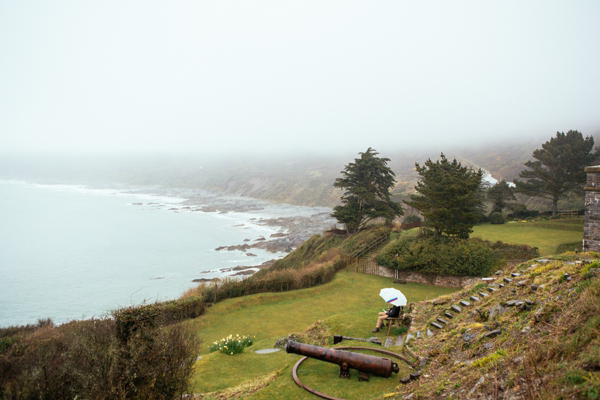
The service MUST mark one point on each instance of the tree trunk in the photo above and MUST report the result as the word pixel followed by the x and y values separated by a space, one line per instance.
pixel 554 206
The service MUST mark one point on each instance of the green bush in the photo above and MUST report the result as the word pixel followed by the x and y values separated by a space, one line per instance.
pixel 507 251
pixel 444 256
pixel 153 315
pixel 86 359
pixel 410 219
pixel 496 218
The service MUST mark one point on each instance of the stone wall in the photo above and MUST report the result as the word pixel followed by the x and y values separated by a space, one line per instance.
pixel 591 227
pixel 429 279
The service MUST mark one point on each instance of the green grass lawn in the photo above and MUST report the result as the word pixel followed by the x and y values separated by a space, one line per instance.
pixel 530 233
pixel 348 305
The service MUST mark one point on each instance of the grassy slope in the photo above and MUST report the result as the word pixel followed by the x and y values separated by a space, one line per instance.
pixel 348 305
pixel 548 352
pixel 547 240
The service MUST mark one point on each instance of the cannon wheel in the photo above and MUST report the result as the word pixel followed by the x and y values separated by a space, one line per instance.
pixel 323 395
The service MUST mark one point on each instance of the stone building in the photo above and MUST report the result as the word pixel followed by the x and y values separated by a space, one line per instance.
pixel 591 227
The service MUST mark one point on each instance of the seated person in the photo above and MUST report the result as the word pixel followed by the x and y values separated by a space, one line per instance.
pixel 393 312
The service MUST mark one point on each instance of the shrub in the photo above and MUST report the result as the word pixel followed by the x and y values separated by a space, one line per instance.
pixel 496 218
pixel 232 344
pixel 409 219
pixel 573 246
pixel 445 256
pixel 87 359
pixel 153 315
pixel 507 251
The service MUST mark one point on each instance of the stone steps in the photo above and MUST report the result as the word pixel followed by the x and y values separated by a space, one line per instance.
pixel 440 323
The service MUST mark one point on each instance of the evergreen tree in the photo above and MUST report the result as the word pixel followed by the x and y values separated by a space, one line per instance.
pixel 450 197
pixel 499 194
pixel 366 183
pixel 558 168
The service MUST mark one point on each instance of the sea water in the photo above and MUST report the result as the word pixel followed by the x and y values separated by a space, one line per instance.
pixel 69 252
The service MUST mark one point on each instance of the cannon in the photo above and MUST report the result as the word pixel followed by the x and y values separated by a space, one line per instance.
pixel 364 364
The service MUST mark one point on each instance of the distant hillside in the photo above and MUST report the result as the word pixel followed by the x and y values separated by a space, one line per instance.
pixel 294 179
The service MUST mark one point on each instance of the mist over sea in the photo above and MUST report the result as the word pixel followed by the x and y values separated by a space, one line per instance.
pixel 69 252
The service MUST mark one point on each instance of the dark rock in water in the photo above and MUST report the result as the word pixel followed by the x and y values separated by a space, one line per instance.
pixel 246 272
pixel 251 255
pixel 206 280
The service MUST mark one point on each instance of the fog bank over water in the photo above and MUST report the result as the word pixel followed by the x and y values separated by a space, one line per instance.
pixel 269 76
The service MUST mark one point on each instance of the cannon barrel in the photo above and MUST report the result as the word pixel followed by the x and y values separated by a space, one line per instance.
pixel 379 366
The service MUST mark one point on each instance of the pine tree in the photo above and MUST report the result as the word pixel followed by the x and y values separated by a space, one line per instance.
pixel 450 197
pixel 558 168
pixel 366 183
pixel 499 194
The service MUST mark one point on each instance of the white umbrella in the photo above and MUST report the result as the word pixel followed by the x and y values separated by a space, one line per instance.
pixel 393 296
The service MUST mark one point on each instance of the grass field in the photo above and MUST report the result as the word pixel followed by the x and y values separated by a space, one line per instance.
pixel 538 234
pixel 348 305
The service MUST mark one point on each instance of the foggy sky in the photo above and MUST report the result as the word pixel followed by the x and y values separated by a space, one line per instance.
pixel 148 76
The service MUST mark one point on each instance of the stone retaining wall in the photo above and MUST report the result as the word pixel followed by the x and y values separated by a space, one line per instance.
pixel 429 279
pixel 591 227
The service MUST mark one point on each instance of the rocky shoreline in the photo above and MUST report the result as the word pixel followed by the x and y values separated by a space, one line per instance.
pixel 292 230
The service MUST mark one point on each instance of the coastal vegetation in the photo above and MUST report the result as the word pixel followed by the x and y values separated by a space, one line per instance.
pixel 449 196
pixel 450 256
pixel 164 350
pixel 366 184
pixel 558 167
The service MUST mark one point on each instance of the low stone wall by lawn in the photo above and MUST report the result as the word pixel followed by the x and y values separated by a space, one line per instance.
pixel 429 279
